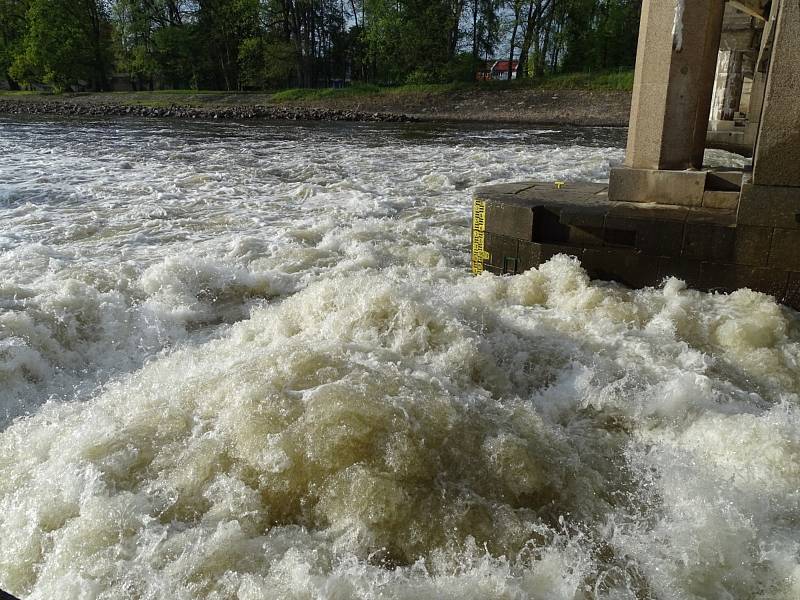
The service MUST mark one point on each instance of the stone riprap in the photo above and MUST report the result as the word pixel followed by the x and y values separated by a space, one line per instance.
pixel 232 113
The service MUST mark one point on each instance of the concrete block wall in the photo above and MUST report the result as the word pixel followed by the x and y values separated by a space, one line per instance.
pixel 640 244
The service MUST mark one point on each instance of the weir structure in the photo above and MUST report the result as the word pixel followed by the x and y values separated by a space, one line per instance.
pixel 663 213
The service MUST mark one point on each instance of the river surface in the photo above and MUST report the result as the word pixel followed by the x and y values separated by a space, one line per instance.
pixel 248 361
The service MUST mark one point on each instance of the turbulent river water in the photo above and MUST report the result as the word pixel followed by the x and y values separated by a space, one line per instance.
pixel 248 361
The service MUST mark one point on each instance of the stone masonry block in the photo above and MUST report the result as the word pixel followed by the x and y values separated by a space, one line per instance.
pixel 707 242
pixel 785 250
pixel 721 200
pixel 729 278
pixel 752 245
pixel 777 156
pixel 509 220
pixel 712 216
pixel 654 238
pixel 551 250
pixel 583 216
pixel 586 236
pixel 658 212
pixel 529 254
pixel 724 181
pixel 770 206
pixel 567 187
pixel 792 296
pixel 503 189
pixel 680 268
pixel 500 248
pixel 683 188
pixel 629 268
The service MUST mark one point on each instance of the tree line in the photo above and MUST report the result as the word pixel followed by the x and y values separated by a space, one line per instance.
pixel 269 44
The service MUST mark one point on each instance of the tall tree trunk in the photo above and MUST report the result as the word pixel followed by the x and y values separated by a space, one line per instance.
pixel 527 39
pixel 517 11
pixel 475 30
pixel 99 82
pixel 458 9
pixel 538 12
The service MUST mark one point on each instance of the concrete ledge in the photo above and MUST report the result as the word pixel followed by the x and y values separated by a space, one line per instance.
pixel 683 188
pixel 718 199
pixel 640 244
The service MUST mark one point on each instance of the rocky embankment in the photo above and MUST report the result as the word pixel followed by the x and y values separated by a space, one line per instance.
pixel 520 106
pixel 48 107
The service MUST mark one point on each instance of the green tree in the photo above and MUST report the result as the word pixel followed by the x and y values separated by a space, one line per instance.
pixel 266 63
pixel 485 27
pixel 412 39
pixel 134 44
pixel 176 52
pixel 12 31
pixel 66 41
pixel 156 42
pixel 538 17
pixel 222 28
pixel 600 34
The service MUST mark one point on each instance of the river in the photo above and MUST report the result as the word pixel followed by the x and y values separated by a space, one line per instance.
pixel 248 361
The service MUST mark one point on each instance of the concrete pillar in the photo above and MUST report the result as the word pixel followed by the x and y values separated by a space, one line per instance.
pixel 777 155
pixel 673 84
pixel 733 86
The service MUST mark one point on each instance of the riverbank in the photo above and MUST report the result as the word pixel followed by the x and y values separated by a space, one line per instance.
pixel 512 104
pixel 104 105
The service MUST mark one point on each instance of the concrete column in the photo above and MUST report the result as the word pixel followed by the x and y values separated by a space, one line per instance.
pixel 733 86
pixel 673 84
pixel 777 155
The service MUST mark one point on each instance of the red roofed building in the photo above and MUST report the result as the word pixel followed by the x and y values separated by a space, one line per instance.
pixel 500 69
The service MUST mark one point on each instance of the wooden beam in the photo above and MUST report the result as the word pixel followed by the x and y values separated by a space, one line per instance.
pixel 749 7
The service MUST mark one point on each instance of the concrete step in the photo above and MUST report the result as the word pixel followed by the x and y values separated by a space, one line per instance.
pixel 720 200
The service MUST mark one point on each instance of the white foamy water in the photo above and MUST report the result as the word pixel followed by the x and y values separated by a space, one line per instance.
pixel 248 362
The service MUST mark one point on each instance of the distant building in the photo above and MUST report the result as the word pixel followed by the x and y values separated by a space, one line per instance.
pixel 497 70
pixel 500 69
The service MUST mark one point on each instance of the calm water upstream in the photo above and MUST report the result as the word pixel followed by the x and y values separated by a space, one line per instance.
pixel 247 361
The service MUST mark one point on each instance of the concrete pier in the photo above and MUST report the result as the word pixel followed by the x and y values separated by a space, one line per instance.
pixel 663 214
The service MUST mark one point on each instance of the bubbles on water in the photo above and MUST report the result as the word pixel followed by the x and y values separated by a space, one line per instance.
pixel 263 387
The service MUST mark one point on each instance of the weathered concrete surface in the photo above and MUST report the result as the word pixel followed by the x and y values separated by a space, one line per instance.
pixel 640 244
pixel 770 206
pixel 777 155
pixel 720 199
pixel 685 188
pixel 672 86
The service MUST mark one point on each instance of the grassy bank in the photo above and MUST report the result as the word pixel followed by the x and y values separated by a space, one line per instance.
pixel 614 81
pixel 576 98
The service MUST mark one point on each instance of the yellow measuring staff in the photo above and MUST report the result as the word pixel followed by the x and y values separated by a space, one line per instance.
pixel 479 254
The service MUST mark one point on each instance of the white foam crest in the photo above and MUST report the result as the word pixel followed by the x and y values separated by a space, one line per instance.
pixel 271 376
pixel 357 406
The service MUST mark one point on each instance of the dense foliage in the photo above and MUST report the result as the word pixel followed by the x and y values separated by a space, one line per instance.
pixel 261 44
